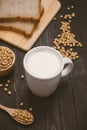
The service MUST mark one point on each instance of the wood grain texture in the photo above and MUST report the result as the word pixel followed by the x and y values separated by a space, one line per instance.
pixel 66 108
pixel 51 7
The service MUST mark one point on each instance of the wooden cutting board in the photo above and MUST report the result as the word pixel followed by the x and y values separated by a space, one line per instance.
pixel 51 8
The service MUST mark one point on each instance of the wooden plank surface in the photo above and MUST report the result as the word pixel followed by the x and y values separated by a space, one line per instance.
pixel 51 7
pixel 66 108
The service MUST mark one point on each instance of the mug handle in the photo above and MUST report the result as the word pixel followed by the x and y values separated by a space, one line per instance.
pixel 68 68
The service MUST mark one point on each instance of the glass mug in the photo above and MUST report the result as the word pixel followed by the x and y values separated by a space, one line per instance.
pixel 44 67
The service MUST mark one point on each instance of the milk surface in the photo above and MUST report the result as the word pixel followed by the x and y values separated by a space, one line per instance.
pixel 43 64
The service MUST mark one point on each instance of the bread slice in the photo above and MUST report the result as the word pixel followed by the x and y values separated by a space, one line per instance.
pixel 26 28
pixel 20 10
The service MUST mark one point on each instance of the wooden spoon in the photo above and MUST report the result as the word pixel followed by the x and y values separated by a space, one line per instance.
pixel 21 116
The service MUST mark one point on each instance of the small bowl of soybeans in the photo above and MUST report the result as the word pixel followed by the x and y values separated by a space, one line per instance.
pixel 7 60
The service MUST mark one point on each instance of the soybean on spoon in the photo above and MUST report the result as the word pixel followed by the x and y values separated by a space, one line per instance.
pixel 22 116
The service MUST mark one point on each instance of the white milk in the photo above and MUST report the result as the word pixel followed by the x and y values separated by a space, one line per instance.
pixel 43 64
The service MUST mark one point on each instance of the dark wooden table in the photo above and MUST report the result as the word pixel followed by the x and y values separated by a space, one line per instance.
pixel 66 108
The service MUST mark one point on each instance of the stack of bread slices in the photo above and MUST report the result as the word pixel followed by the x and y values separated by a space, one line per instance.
pixel 21 16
